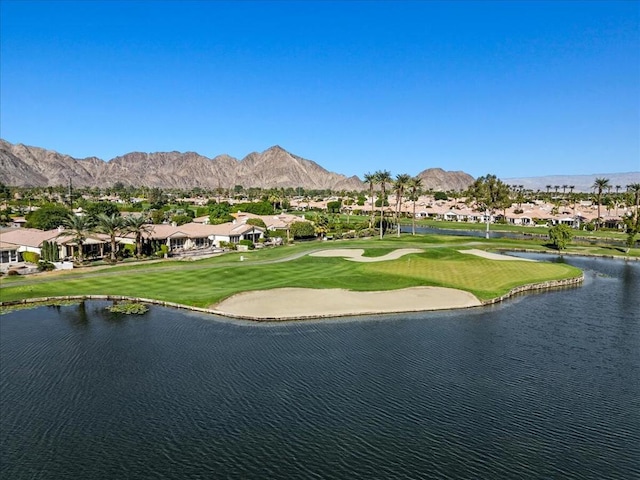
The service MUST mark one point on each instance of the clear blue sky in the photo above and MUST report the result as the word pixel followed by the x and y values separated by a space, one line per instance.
pixel 509 88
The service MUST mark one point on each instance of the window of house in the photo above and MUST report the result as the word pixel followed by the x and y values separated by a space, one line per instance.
pixel 177 242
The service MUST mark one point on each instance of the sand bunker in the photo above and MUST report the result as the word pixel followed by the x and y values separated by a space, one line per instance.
pixel 294 303
pixel 356 254
pixel 493 256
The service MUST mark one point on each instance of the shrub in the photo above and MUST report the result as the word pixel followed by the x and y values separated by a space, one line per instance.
pixel 12 273
pixel 157 216
pixel 128 308
pixel 46 266
pixel 219 220
pixel 367 232
pixel 181 219
pixel 302 230
pixel 128 250
pixel 229 245
pixel 257 208
pixel 164 250
pixel 248 243
pixel 257 222
pixel 440 196
pixel 31 257
pixel 334 207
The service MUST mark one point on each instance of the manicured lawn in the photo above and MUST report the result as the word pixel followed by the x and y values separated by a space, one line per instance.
pixel 203 283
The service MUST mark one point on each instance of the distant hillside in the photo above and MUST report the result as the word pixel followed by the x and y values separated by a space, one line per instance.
pixel 25 166
pixel 21 165
pixel 438 180
pixel 581 183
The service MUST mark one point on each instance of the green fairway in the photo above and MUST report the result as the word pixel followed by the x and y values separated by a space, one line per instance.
pixel 206 282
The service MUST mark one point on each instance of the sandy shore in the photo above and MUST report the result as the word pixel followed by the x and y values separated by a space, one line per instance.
pixel 293 303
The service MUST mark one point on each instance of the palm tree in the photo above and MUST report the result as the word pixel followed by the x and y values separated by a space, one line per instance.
pixel 400 184
pixel 382 177
pixel 370 178
pixel 111 225
pixel 489 193
pixel 273 199
pixel 137 225
pixel 77 227
pixel 414 186
pixel 599 185
pixel 634 189
pixel 617 200
pixel 571 187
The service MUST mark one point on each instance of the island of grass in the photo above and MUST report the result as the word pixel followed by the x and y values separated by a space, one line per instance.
pixel 433 272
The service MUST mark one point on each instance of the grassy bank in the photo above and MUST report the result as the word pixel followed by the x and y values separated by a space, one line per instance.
pixel 205 282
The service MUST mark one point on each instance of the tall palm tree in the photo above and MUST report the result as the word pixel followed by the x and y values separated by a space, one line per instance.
pixel 414 186
pixel 111 225
pixel 137 225
pixel 571 187
pixel 78 228
pixel 634 189
pixel 370 178
pixel 399 186
pixel 382 177
pixel 617 200
pixel 599 185
pixel 273 199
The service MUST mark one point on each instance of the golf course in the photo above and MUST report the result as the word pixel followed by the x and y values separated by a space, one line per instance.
pixel 407 262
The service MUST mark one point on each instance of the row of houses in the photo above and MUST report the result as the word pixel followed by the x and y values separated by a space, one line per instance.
pixel 526 214
pixel 178 239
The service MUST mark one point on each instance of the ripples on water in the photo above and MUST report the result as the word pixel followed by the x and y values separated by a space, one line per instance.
pixel 544 386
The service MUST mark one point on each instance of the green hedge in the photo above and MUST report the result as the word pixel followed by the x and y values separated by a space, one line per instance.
pixel 31 257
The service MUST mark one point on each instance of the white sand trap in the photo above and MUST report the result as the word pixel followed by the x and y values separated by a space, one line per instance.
pixel 356 254
pixel 293 303
pixel 493 256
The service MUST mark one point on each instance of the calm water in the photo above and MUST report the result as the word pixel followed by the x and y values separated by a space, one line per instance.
pixel 544 386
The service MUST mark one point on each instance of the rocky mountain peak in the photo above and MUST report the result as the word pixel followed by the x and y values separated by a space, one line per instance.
pixel 275 167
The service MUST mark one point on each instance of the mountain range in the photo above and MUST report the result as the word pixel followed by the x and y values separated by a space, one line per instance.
pixel 26 166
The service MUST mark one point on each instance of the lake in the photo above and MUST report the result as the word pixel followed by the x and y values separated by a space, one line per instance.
pixel 546 385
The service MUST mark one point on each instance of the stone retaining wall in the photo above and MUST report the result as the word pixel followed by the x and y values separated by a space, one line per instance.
pixel 568 282
pixel 44 300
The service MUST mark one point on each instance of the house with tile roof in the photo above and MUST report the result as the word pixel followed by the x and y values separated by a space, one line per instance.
pixel 193 236
pixel 22 240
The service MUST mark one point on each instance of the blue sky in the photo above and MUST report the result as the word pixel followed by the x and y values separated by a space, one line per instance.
pixel 509 88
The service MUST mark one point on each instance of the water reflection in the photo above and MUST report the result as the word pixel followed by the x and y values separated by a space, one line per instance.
pixel 544 385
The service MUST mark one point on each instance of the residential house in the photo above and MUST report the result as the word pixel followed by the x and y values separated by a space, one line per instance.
pixel 192 236
pixel 31 240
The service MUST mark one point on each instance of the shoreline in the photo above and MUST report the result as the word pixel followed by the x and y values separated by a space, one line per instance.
pixel 547 285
